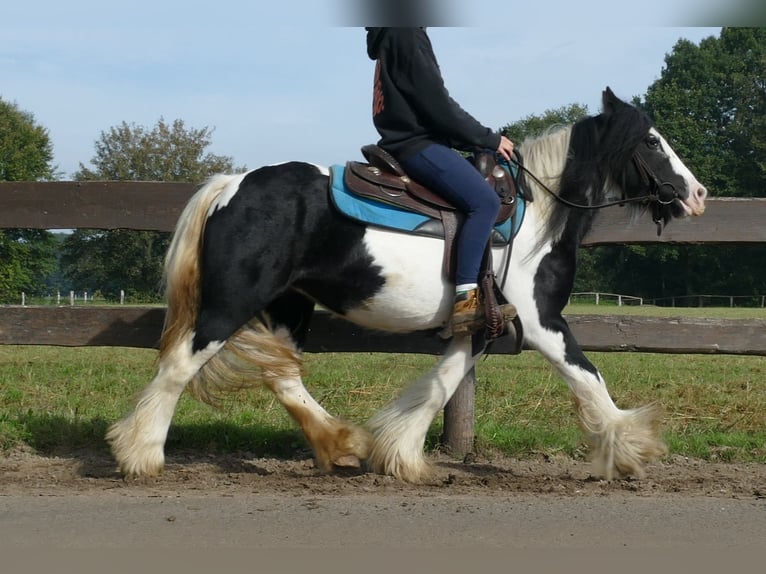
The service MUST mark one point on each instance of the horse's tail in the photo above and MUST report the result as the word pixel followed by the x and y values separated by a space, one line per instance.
pixel 182 262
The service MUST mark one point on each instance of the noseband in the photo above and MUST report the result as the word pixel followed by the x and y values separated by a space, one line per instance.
pixel 661 193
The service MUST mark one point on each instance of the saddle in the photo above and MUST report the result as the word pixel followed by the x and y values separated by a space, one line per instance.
pixel 383 179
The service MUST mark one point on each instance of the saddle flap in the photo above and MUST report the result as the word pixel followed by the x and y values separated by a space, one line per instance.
pixel 372 182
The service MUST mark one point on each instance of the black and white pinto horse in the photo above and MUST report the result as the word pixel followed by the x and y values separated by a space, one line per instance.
pixel 252 254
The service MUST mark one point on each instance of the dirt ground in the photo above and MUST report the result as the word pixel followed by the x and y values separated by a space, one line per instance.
pixel 483 475
pixel 472 515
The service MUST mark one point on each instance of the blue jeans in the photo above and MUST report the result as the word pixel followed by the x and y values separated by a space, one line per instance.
pixel 448 174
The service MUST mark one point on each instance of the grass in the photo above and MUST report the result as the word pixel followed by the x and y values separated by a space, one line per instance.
pixel 59 400
pixel 651 311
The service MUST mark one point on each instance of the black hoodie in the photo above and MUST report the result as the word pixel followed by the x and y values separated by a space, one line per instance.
pixel 411 106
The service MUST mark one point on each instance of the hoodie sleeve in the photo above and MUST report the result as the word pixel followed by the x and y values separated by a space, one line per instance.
pixel 422 84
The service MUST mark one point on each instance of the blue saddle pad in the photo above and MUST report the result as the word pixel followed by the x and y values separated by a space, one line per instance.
pixel 392 217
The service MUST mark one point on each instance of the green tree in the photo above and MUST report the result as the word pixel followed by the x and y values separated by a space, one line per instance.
pixel 26 152
pixel 107 261
pixel 710 103
pixel 534 125
pixel 27 256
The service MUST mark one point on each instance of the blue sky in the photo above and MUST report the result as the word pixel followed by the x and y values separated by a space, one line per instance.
pixel 281 81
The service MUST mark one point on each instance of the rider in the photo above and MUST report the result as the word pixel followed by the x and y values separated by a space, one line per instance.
pixel 419 124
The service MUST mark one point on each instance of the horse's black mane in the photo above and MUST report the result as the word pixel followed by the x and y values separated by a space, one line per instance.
pixel 604 146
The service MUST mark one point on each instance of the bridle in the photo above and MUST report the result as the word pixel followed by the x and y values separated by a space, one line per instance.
pixel 660 194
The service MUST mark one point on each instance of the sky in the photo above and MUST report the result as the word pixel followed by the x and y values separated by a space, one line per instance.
pixel 291 80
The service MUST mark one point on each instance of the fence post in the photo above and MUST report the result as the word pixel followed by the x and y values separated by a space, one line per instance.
pixel 23 299
pixel 122 296
pixel 71 298
pixel 458 433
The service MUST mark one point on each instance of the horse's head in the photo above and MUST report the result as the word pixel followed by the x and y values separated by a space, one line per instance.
pixel 646 166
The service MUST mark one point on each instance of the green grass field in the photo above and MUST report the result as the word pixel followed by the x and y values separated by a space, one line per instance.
pixel 60 400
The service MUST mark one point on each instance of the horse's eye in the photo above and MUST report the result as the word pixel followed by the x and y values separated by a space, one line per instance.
pixel 653 142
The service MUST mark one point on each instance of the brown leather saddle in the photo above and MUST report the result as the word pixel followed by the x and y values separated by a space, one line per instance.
pixel 383 179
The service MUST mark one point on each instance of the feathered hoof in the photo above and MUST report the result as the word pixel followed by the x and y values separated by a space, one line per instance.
pixel 134 460
pixel 414 469
pixel 342 447
pixel 629 444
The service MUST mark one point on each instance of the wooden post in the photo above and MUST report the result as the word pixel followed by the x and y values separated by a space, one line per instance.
pixel 459 416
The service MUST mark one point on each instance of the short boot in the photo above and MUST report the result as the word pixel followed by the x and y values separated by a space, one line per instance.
pixel 467 313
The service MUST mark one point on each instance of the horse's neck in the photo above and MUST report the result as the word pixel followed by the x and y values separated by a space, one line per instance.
pixel 545 158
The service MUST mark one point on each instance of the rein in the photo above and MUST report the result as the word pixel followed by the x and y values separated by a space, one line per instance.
pixel 654 197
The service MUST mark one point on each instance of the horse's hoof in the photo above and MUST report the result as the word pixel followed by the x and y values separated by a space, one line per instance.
pixel 347 461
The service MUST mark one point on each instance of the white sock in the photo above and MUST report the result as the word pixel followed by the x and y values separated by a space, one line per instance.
pixel 463 287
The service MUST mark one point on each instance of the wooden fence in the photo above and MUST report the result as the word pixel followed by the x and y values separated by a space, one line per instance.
pixel 156 206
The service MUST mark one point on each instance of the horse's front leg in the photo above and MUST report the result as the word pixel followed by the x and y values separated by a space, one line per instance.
pixel 622 442
pixel 400 429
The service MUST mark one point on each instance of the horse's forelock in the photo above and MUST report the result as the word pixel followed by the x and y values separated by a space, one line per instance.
pixel 627 126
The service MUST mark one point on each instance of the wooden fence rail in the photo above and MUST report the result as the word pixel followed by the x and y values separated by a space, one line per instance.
pixel 156 206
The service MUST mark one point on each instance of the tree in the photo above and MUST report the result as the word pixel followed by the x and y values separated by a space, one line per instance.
pixel 27 256
pixel 534 125
pixel 710 103
pixel 26 151
pixel 107 261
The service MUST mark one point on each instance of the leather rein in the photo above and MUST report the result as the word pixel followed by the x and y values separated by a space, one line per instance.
pixel 655 197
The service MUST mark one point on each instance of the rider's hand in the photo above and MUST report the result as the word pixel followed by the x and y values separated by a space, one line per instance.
pixel 505 148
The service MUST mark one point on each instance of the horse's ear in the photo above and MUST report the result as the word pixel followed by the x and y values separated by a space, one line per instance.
pixel 609 101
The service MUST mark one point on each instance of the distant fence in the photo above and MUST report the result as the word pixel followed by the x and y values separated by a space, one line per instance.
pixel 156 206
pixel 599 298
pixel 71 298
pixel 709 301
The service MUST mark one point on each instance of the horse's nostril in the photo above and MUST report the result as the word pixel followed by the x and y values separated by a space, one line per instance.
pixel 701 193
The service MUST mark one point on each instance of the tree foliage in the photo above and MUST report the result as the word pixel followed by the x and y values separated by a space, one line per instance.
pixel 27 256
pixel 26 152
pixel 107 261
pixel 534 125
pixel 710 101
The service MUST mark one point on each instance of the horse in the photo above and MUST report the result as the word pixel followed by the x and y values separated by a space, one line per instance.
pixel 254 253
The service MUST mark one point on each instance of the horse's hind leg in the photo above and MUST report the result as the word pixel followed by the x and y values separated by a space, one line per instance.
pixel 335 443
pixel 267 351
pixel 138 440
